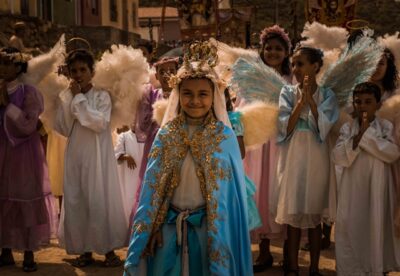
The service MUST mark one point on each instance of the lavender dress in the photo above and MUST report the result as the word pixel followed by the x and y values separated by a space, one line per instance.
pixel 27 214
pixel 146 130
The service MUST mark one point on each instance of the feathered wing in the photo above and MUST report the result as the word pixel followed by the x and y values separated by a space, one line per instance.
pixel 42 73
pixel 252 80
pixel 390 109
pixel 393 43
pixel 259 121
pixel 123 71
pixel 323 37
pixel 159 110
pixel 227 56
pixel 50 87
pixel 332 40
pixel 355 65
pixel 41 66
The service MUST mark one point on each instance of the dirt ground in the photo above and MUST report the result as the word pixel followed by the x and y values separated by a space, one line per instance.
pixel 53 261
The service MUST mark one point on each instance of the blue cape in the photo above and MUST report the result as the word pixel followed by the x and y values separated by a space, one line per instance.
pixel 216 154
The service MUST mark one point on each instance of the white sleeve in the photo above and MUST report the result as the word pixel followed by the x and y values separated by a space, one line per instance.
pixel 380 144
pixel 119 148
pixel 95 118
pixel 64 118
pixel 343 153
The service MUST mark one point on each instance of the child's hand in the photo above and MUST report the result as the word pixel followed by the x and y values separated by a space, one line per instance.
pixel 74 87
pixel 131 162
pixel 364 122
pixel 156 239
pixel 364 126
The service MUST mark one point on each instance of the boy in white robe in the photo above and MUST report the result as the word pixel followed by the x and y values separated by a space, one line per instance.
pixel 365 241
pixel 128 152
pixel 93 216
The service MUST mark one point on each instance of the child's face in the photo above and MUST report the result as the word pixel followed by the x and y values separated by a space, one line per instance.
pixel 380 70
pixel 364 102
pixel 301 67
pixel 80 72
pixel 8 70
pixel 274 53
pixel 196 97
pixel 164 71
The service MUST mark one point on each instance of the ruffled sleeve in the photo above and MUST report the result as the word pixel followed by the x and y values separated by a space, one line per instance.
pixel 286 105
pixel 328 114
pixel 21 123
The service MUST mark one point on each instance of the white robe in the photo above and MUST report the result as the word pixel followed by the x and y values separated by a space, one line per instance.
pixel 129 179
pixel 93 216
pixel 365 242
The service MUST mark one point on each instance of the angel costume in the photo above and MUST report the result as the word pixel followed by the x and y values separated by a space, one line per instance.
pixel 304 160
pixel 27 211
pixel 129 179
pixel 194 193
pixel 93 217
pixel 365 240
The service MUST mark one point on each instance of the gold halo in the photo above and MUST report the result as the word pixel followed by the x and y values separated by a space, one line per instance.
pixel 357 24
pixel 79 39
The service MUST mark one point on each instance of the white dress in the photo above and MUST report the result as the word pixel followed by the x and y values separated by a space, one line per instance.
pixel 129 179
pixel 365 242
pixel 93 217
pixel 302 190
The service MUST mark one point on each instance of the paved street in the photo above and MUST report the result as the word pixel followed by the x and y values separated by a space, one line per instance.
pixel 54 262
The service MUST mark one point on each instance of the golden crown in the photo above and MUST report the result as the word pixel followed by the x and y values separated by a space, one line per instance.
pixel 198 60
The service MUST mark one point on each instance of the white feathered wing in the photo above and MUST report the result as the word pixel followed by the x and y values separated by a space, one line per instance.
pixel 123 71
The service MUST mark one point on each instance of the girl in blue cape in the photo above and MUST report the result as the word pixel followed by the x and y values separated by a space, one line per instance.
pixel 192 214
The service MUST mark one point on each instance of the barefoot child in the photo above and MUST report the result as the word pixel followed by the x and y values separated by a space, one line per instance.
pixel 192 214
pixel 365 240
pixel 27 210
pixel 93 217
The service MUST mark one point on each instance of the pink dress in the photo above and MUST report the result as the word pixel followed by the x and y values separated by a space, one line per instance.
pixel 27 213
pixel 260 166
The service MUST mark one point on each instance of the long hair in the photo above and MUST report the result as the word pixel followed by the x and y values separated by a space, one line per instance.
pixel 276 32
pixel 390 80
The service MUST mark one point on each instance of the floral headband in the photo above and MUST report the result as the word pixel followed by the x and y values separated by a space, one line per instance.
pixel 266 33
pixel 16 57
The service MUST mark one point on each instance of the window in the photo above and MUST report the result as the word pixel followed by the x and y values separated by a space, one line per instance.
pixel 134 15
pixel 113 10
pixel 95 7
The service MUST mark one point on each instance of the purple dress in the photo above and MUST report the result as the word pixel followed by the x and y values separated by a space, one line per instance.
pixel 146 130
pixel 27 214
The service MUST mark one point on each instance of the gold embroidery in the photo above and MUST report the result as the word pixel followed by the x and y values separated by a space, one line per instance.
pixel 175 144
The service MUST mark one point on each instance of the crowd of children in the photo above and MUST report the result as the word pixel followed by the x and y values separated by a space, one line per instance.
pixel 175 189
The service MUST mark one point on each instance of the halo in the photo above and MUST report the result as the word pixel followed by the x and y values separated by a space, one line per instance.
pixel 78 41
pixel 357 24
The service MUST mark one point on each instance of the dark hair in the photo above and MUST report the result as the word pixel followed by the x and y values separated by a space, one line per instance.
pixel 314 55
pixel 368 88
pixel 22 64
pixel 354 37
pixel 81 55
pixel 228 100
pixel 390 80
pixel 148 46
pixel 286 68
